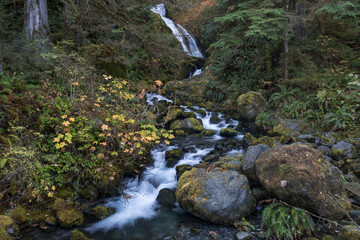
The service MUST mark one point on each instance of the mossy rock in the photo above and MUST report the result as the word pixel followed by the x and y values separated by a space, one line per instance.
pixel 228 132
pixel 301 176
pixel 328 237
pixel 78 235
pixel 90 193
pixel 231 162
pixel 166 197
pixel 189 125
pixel 19 214
pixel 173 114
pixel 349 232
pixel 70 217
pixel 328 138
pixel 266 140
pixel 189 115
pixel 50 220
pixel 290 127
pixel 251 104
pixel 209 106
pixel 208 133
pixel 67 193
pixel 202 112
pixel 248 140
pixel 181 169
pixel 172 157
pixel 8 227
pixel 37 215
pixel 343 150
pixel 180 133
pixel 100 212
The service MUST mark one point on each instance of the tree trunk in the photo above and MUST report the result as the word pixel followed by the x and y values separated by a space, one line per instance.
pixel 1 66
pixel 36 19
pixel 286 45
pixel 300 29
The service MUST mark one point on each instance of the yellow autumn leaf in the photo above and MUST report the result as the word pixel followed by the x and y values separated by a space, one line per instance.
pixel 53 188
pixel 56 140
pixel 64 116
pixel 50 194
pixel 46 188
pixel 72 119
pixel 104 127
pixel 66 123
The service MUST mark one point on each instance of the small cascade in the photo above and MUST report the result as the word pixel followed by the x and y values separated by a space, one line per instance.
pixel 187 41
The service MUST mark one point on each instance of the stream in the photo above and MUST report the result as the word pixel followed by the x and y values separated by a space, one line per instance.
pixel 141 217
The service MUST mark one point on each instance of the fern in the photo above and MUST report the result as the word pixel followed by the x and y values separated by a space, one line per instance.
pixel 284 222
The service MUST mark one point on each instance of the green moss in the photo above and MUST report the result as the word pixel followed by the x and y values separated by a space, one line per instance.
pixel 50 220
pixel 328 237
pixel 38 215
pixel 70 217
pixel 19 214
pixel 66 193
pixel 201 112
pixel 89 193
pixel 189 125
pixel 228 132
pixel 349 232
pixel 173 114
pixel 180 133
pixel 6 223
pixel 78 235
pixel 100 212
pixel 4 235
pixel 207 133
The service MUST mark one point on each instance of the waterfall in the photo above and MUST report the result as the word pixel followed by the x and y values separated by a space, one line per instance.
pixel 187 41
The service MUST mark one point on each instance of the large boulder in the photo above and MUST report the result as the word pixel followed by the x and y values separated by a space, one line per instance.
pixel 189 125
pixel 249 159
pixel 301 176
pixel 251 104
pixel 218 196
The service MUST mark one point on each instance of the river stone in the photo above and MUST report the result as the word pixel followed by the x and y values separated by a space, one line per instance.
pixel 301 176
pixel 251 104
pixel 242 236
pixel 189 125
pixel 343 150
pixel 249 159
pixel 180 169
pixel 218 196
pixel 290 127
pixel 172 157
pixel 100 212
pixel 78 235
pixel 166 197
pixel 228 132
pixel 214 119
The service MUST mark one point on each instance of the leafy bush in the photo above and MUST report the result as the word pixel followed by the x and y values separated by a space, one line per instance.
pixel 283 222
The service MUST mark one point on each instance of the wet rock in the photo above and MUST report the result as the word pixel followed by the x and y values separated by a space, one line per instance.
pixel 209 106
pixel 202 112
pixel 231 161
pixel 300 176
pixel 189 125
pixel 270 141
pixel 349 232
pixel 218 196
pixel 100 212
pixel 228 132
pixel 173 114
pixel 242 236
pixel 172 157
pixel 207 133
pixel 189 115
pixel 181 169
pixel 78 235
pixel 89 192
pixel 343 150
pixel 166 197
pixel 249 159
pixel 214 119
pixel 251 104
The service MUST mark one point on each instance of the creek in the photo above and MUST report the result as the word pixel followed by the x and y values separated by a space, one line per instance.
pixel 139 215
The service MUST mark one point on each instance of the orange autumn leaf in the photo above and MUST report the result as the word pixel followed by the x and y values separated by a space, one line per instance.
pixel 158 82
pixel 66 123
pixel 142 94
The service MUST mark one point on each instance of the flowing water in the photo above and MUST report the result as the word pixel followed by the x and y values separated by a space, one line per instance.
pixel 139 216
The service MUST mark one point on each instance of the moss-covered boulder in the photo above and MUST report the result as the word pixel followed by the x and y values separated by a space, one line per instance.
pixel 181 169
pixel 19 214
pixel 218 196
pixel 100 212
pixel 189 125
pixel 172 157
pixel 343 150
pixel 231 161
pixel 67 213
pixel 228 132
pixel 202 112
pixel 266 140
pixel 301 176
pixel 8 228
pixel 89 192
pixel 189 115
pixel 349 232
pixel 78 235
pixel 328 138
pixel 173 114
pixel 208 133
pixel 251 104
